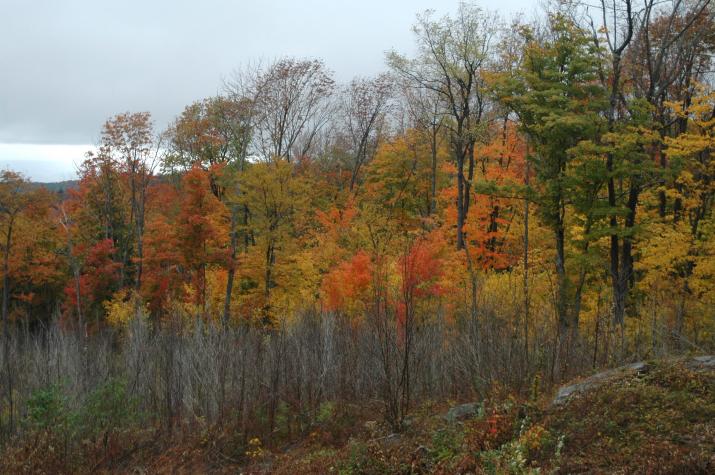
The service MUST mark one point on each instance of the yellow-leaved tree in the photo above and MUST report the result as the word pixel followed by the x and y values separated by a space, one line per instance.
pixel 678 256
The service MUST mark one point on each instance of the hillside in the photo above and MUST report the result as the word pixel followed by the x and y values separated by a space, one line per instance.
pixel 658 420
pixel 656 417
pixel 57 186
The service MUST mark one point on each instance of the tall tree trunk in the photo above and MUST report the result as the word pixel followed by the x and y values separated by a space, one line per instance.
pixel 462 154
pixel 526 262
pixel 615 265
pixel 562 283
pixel 232 267
pixel 140 261
pixel 140 217
pixel 6 277
pixel 433 184
pixel 460 203
pixel 9 380
pixel 469 180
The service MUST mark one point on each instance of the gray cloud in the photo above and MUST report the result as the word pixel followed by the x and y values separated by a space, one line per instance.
pixel 68 65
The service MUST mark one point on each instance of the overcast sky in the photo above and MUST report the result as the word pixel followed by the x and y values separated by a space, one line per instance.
pixel 68 65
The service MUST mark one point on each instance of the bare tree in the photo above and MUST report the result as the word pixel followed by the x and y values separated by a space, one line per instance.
pixel 450 62
pixel 292 104
pixel 365 104
pixel 74 263
pixel 425 110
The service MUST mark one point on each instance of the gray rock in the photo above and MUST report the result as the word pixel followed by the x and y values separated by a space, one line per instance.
pixel 639 367
pixel 698 363
pixel 463 411
pixel 701 362
pixel 705 360
pixel 598 379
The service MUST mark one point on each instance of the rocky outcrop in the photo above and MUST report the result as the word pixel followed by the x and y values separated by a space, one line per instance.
pixel 592 382
pixel 598 379
pixel 700 363
pixel 463 411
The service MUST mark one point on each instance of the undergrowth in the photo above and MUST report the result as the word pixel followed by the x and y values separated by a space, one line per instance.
pixel 659 422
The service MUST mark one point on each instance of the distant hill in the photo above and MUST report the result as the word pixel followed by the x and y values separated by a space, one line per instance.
pixel 58 186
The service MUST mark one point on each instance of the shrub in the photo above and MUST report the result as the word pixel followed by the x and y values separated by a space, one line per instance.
pixel 108 407
pixel 47 409
pixel 361 460
pixel 446 444
pixel 326 411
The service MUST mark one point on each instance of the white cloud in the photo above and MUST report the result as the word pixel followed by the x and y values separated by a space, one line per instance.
pixel 68 66
pixel 44 162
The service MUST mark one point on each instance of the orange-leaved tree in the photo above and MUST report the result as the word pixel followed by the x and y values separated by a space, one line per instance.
pixel 200 232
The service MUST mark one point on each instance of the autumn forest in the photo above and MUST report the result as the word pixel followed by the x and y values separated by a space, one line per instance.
pixel 509 206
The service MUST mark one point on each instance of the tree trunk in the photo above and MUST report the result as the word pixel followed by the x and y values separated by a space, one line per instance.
pixel 526 264
pixel 6 277
pixel 231 268
pixel 460 203
pixel 433 184
pixel 562 284
pixel 9 381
